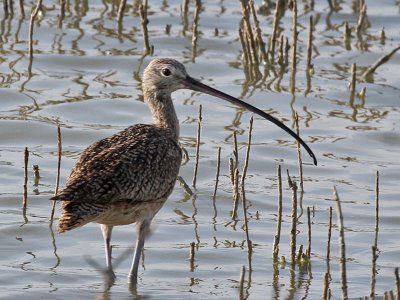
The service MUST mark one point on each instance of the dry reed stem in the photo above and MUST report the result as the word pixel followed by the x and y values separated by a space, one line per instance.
pixel 144 22
pixel 278 12
pixel 373 272
pixel 34 14
pixel 328 244
pixel 308 252
pixel 331 5
pixel 62 12
pixel 368 73
pixel 376 209
pixel 290 182
pixel 121 9
pixel 62 7
pixel 246 164
pixel 246 57
pixel 191 256
pixel 309 45
pixel 185 155
pixel 353 80
pixel 248 33
pixel 281 56
pixel 5 8
pixel 196 165
pixel 185 186
pixel 296 118
pixel 59 155
pixel 22 9
pixel 217 173
pixel 396 273
pixel 362 93
pixel 277 237
pixel 293 47
pixel 361 18
pixel 299 253
pixel 195 33
pixel 246 222
pixel 312 4
pixel 382 36
pixel 293 229
pixel 326 287
pixel 36 174
pixel 232 171
pixel 241 283
pixel 236 195
pixel 287 48
pixel 342 245
pixel 347 36
pixel 235 150
pixel 25 194
pixel 185 12
pixel 259 39
pixel 11 6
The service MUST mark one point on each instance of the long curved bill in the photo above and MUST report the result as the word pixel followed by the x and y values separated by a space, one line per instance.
pixel 195 85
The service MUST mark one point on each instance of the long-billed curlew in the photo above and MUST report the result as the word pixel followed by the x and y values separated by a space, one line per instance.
pixel 127 177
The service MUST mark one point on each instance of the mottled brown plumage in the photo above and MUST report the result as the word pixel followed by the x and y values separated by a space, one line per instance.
pixel 118 172
pixel 127 177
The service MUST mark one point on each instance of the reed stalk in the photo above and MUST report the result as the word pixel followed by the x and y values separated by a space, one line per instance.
pixel 293 47
pixel 217 172
pixel 309 45
pixel 353 80
pixel 396 273
pixel 144 22
pixel 300 162
pixel 34 14
pixel 347 36
pixel 308 252
pixel 293 229
pixel 195 33
pixel 370 71
pixel 22 9
pixel 373 272
pixel 25 193
pixel 259 40
pixel 121 9
pixel 244 173
pixel 59 155
pixel 277 16
pixel 185 186
pixel 236 195
pixel 196 165
pixel 191 256
pixel 275 252
pixel 241 283
pixel 342 245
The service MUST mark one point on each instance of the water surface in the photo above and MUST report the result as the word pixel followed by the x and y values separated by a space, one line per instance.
pixel 85 77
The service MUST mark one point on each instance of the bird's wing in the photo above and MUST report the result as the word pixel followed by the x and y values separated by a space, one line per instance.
pixel 140 163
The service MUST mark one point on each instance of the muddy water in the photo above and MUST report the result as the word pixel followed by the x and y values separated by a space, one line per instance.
pixel 85 77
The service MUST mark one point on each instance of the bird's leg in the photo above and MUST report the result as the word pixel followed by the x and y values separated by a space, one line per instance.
pixel 143 229
pixel 106 230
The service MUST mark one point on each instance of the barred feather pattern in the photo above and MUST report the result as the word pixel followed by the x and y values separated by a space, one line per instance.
pixel 122 179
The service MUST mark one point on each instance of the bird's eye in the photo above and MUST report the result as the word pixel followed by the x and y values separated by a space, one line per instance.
pixel 166 72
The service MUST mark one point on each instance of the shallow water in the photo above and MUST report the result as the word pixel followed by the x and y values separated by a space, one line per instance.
pixel 85 77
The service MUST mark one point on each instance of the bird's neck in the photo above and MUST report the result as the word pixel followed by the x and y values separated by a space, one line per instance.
pixel 163 112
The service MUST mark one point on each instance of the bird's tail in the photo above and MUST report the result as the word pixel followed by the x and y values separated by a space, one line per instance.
pixel 77 214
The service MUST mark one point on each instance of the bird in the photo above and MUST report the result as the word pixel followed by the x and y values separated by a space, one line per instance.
pixel 127 177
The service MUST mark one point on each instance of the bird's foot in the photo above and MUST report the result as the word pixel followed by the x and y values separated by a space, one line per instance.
pixel 109 278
